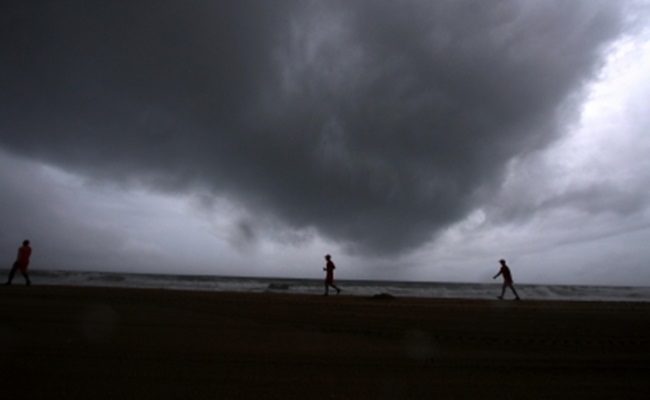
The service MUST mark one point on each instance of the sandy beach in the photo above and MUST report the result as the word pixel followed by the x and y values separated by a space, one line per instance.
pixel 105 343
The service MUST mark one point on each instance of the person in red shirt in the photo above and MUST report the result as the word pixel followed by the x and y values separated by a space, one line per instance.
pixel 329 277
pixel 22 262
pixel 507 280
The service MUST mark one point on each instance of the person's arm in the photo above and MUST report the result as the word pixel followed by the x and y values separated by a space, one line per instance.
pixel 497 275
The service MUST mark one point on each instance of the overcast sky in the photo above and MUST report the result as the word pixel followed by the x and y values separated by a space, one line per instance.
pixel 414 140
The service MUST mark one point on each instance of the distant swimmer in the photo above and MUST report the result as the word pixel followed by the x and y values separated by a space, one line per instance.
pixel 507 280
pixel 329 277
pixel 21 263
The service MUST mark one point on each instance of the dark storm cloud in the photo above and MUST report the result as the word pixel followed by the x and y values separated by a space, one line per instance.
pixel 377 123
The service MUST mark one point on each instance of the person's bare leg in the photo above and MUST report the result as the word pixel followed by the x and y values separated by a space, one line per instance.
pixel 515 292
pixel 11 275
pixel 27 281
pixel 503 291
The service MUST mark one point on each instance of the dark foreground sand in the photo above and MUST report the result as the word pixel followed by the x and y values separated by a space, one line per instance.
pixel 99 343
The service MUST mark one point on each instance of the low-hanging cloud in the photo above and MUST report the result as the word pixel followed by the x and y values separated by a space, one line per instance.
pixel 374 123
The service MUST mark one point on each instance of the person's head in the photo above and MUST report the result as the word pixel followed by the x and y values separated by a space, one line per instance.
pixel 328 257
pixel 502 261
pixel 25 242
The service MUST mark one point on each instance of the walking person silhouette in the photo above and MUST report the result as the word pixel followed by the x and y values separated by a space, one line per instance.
pixel 329 276
pixel 21 263
pixel 507 280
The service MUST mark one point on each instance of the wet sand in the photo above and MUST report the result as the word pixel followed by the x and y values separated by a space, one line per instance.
pixel 101 343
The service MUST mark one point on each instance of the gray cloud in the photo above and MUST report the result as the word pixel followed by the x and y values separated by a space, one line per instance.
pixel 377 124
pixel 33 209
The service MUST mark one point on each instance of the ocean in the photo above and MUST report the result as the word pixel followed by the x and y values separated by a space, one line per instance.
pixel 349 287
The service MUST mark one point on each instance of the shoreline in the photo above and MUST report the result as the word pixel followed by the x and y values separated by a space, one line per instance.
pixel 98 342
pixel 428 289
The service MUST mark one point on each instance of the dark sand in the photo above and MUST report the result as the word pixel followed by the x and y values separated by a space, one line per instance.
pixel 100 343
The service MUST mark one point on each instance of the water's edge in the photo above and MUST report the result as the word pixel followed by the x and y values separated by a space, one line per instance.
pixel 315 286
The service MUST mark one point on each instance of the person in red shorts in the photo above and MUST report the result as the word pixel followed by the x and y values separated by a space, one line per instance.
pixel 507 280
pixel 329 277
pixel 21 264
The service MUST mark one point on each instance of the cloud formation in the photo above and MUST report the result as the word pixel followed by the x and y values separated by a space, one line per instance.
pixel 377 124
